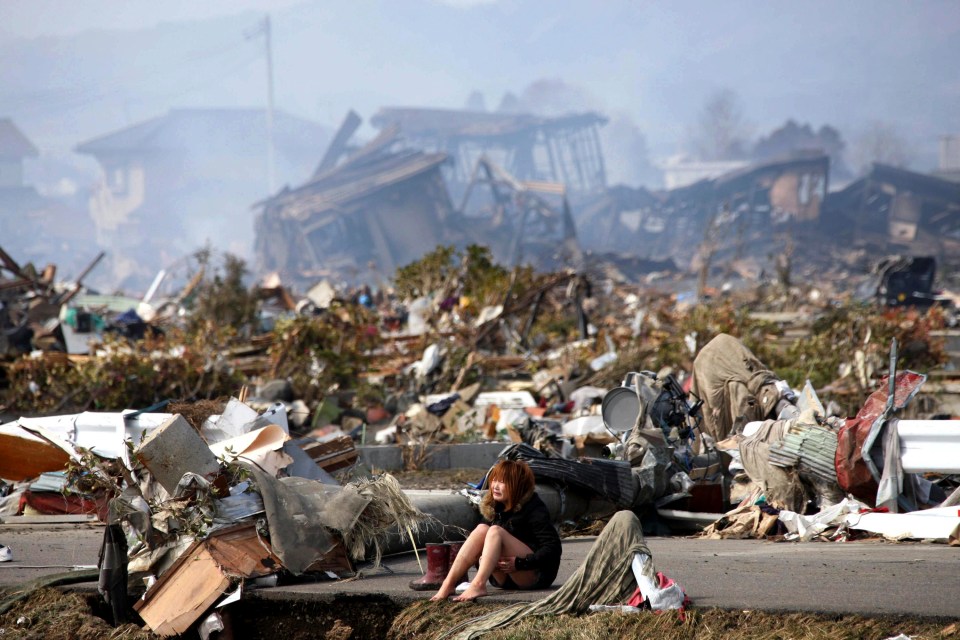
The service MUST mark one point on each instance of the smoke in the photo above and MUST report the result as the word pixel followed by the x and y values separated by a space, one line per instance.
pixel 624 145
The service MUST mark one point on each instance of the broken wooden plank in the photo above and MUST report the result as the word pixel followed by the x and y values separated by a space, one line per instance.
pixel 241 552
pixel 184 593
pixel 201 574
pixel 334 454
pixel 339 144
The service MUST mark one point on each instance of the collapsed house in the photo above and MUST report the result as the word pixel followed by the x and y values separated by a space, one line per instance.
pixel 563 149
pixel 898 211
pixel 738 213
pixel 533 189
pixel 376 211
pixel 522 222
pixel 741 218
pixel 367 211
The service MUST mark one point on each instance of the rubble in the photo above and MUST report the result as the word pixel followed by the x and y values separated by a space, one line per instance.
pixel 201 515
pixel 619 398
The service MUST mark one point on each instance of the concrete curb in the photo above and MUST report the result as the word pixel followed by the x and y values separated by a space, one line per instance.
pixel 390 457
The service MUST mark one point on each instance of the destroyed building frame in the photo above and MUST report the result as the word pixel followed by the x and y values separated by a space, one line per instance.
pixel 564 149
pixel 900 211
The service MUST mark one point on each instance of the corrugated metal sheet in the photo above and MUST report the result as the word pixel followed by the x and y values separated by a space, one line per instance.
pixel 448 123
pixel 809 448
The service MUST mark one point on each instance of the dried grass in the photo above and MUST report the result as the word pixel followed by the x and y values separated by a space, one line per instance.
pixel 389 507
pixel 198 411
pixel 428 620
pixel 49 614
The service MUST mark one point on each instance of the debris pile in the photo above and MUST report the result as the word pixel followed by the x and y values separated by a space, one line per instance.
pixel 195 514
pixel 684 410
pixel 806 474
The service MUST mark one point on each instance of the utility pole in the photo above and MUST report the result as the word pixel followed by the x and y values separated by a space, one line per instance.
pixel 264 28
pixel 271 172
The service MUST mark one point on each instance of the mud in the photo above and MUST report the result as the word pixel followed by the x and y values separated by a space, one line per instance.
pixel 61 615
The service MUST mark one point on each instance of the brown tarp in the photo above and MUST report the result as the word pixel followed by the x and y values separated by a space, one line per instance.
pixel 734 385
pixel 782 487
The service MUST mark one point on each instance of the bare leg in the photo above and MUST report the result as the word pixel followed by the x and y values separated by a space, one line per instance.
pixel 498 542
pixel 468 555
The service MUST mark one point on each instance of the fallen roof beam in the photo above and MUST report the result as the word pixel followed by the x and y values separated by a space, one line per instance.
pixel 339 144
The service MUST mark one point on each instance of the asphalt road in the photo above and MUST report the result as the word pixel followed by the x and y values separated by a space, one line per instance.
pixel 868 578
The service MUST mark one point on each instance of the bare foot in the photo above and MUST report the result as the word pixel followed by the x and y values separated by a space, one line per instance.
pixel 442 594
pixel 472 593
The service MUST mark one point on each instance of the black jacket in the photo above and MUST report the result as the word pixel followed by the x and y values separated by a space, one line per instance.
pixel 530 523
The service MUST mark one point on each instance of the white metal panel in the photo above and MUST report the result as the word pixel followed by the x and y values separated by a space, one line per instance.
pixel 929 446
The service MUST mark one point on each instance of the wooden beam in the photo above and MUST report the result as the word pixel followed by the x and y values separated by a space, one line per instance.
pixel 338 145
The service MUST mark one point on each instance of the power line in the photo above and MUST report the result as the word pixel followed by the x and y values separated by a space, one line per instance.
pixel 117 86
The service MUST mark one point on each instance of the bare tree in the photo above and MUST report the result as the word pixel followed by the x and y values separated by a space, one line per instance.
pixel 712 237
pixel 880 142
pixel 721 131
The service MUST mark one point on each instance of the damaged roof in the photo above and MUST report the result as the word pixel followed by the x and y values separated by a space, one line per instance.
pixel 186 128
pixel 449 123
pixel 352 181
pixel 931 186
pixel 742 177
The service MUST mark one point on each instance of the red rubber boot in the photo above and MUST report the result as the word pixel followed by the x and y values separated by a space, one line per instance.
pixel 454 550
pixel 438 564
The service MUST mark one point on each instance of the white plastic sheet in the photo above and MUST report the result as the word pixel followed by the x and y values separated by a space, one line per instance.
pixel 805 528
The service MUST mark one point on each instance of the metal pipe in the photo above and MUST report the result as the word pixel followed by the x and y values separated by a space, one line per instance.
pixel 455 516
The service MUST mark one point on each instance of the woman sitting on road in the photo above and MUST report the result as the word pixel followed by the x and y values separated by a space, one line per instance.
pixel 518 549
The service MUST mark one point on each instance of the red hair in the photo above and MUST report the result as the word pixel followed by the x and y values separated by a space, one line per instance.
pixel 518 478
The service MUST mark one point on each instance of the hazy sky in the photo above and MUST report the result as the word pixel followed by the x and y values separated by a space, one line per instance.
pixel 32 18
pixel 73 70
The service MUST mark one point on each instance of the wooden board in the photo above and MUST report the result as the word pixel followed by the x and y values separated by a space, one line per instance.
pixel 242 553
pixel 184 593
pixel 334 454
pixel 201 574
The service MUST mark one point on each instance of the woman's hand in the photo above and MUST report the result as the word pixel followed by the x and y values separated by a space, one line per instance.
pixel 507 564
